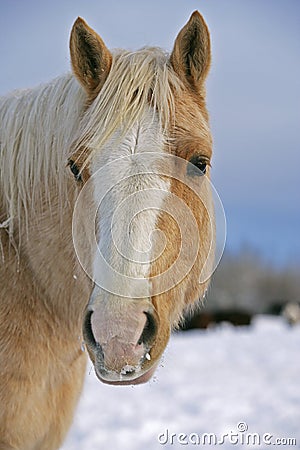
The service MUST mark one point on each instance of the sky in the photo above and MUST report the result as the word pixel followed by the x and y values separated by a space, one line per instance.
pixel 253 93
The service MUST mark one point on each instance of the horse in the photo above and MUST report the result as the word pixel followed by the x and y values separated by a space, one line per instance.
pixel 106 221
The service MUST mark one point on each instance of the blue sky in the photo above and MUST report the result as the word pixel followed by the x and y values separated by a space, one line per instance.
pixel 253 93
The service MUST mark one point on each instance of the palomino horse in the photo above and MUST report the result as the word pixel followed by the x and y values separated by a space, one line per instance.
pixel 122 143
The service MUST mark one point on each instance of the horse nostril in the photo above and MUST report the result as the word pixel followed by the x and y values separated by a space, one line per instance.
pixel 149 331
pixel 88 334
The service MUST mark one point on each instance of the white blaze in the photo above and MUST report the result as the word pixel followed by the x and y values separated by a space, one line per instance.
pixel 129 210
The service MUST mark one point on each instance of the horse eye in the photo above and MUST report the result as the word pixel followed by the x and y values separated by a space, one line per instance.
pixel 75 170
pixel 200 163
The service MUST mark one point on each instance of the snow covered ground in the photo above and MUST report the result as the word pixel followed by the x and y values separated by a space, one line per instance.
pixel 218 381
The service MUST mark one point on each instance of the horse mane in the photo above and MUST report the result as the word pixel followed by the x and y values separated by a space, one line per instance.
pixel 135 81
pixel 37 126
pixel 41 127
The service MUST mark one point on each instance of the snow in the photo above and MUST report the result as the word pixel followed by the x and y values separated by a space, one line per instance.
pixel 217 381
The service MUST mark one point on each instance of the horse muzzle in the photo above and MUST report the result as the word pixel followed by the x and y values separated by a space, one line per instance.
pixel 120 335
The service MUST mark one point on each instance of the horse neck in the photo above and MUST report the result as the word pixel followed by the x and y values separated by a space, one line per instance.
pixel 39 211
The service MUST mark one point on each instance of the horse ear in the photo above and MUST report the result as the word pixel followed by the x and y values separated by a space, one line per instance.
pixel 90 58
pixel 191 55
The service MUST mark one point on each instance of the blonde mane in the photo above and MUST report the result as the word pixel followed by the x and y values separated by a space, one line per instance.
pixel 136 79
pixel 37 127
pixel 41 127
